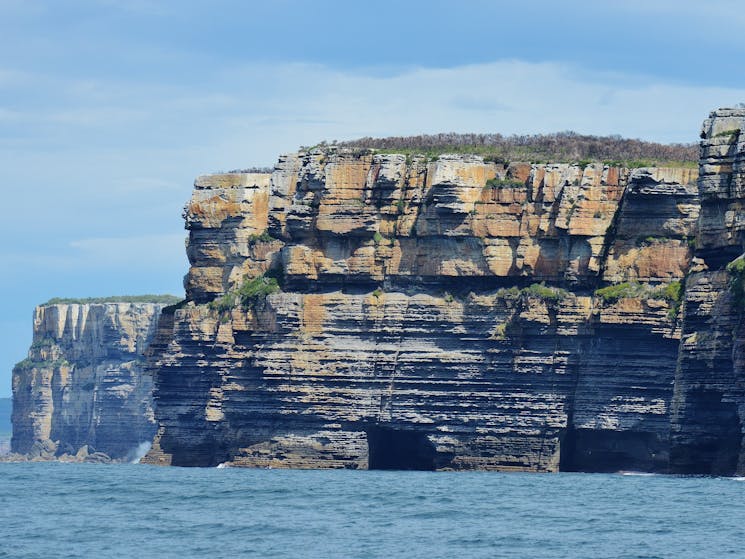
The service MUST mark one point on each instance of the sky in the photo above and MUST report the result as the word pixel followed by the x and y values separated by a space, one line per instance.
pixel 110 108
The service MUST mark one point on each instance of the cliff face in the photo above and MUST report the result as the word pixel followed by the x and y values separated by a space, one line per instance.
pixel 82 388
pixel 708 415
pixel 411 330
pixel 5 425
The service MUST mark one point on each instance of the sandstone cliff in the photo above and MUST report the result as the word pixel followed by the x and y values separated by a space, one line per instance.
pixel 82 392
pixel 362 310
pixel 5 425
pixel 708 413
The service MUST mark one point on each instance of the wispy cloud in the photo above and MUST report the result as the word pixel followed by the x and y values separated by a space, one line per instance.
pixel 96 177
pixel 139 250
pixel 249 114
pixel 124 152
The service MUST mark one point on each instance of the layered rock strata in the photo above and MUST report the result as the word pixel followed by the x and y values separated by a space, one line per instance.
pixel 411 330
pixel 82 392
pixel 708 413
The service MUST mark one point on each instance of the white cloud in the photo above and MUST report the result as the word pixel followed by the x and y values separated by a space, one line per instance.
pixel 308 103
pixel 125 153
pixel 247 115
pixel 94 177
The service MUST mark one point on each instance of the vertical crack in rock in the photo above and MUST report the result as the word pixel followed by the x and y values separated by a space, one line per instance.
pixel 81 393
pixel 708 410
pixel 432 315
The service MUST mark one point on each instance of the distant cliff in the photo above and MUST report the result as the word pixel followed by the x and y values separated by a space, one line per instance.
pixel 359 309
pixel 5 425
pixel 365 310
pixel 82 392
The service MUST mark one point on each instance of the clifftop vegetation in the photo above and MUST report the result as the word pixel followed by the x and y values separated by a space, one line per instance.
pixel 561 147
pixel 164 299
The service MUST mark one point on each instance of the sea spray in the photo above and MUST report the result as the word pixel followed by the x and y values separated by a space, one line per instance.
pixel 139 452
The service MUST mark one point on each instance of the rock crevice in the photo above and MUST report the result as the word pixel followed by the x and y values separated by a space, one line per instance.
pixel 81 393
pixel 434 314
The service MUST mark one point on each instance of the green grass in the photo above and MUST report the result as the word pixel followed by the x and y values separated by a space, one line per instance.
pixel 504 183
pixel 508 293
pixel 256 290
pixel 381 240
pixel 731 133
pixel 613 293
pixel 544 292
pixel 251 294
pixel 736 271
pixel 672 292
pixel 265 237
pixel 223 303
pixel 159 299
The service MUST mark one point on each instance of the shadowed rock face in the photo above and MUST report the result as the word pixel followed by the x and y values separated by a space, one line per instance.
pixel 708 412
pixel 409 334
pixel 82 386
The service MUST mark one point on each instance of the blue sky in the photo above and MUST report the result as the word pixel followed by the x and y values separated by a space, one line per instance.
pixel 109 108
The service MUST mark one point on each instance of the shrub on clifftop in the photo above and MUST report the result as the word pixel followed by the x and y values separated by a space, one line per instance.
pixel 559 147
pixel 158 299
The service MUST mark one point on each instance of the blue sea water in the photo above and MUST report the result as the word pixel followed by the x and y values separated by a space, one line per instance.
pixel 78 510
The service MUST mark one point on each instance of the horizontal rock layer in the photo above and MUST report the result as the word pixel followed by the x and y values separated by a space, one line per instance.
pixel 708 412
pixel 81 391
pixel 411 330
pixel 345 218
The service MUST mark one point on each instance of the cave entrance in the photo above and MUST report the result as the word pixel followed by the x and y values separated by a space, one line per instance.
pixel 397 449
pixel 590 450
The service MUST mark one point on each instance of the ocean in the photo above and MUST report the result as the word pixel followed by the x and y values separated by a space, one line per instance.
pixel 54 510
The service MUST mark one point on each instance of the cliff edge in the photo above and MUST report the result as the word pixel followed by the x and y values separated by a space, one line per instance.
pixel 81 393
pixel 363 310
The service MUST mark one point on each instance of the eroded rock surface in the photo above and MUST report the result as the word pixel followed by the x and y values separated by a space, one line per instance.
pixel 708 414
pixel 412 331
pixel 81 394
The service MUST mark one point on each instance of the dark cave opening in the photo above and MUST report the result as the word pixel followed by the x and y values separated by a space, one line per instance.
pixel 589 450
pixel 396 449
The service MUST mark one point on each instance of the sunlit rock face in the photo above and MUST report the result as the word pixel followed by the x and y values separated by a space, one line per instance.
pixel 82 392
pixel 411 330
